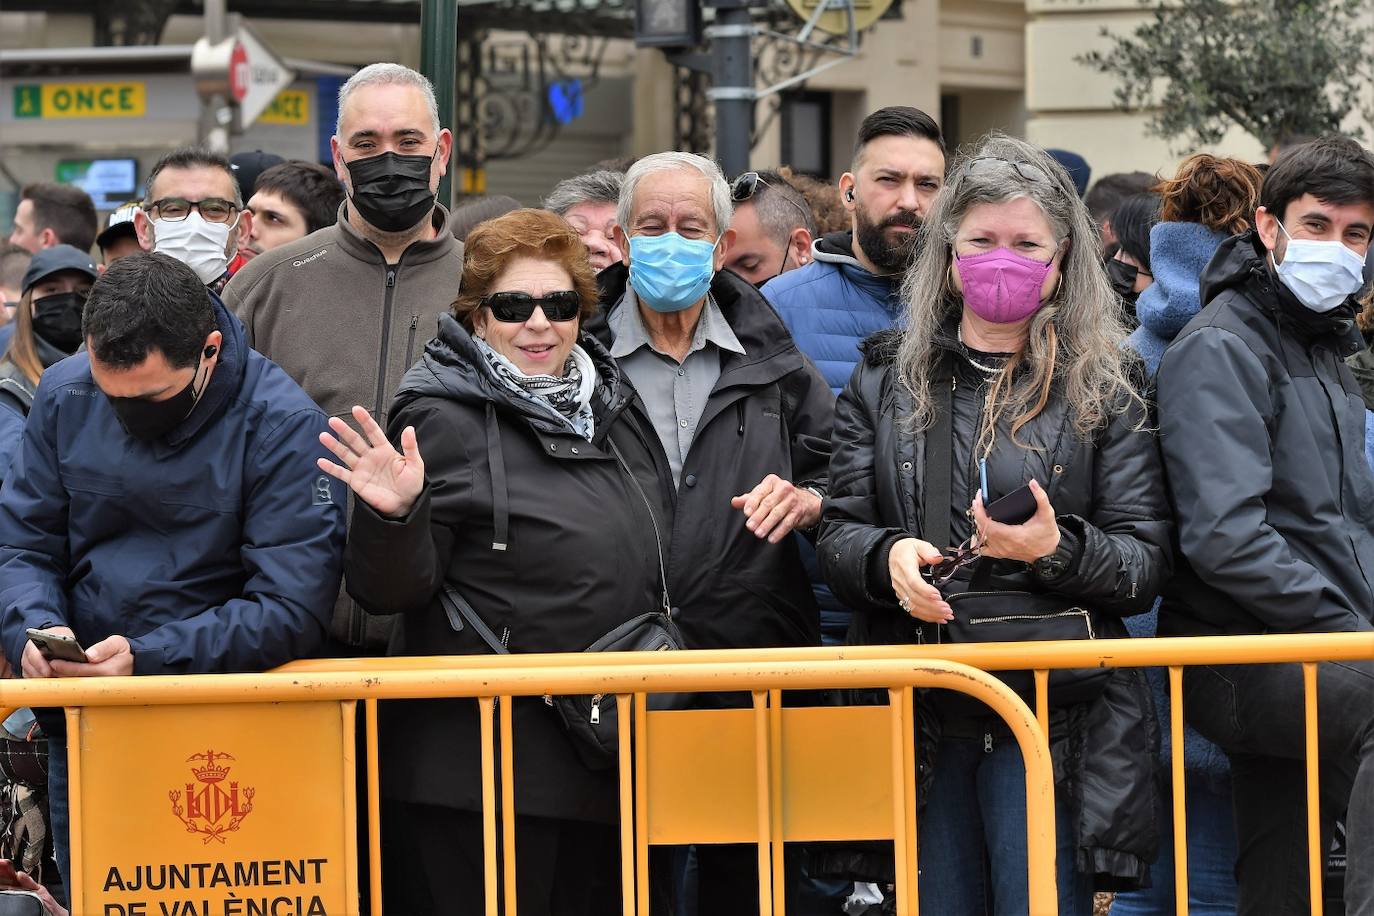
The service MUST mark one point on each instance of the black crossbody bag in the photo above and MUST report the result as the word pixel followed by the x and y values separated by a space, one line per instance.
pixel 983 613
pixel 591 720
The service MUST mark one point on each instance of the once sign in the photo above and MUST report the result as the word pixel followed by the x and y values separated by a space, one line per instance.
pixel 81 100
pixel 214 811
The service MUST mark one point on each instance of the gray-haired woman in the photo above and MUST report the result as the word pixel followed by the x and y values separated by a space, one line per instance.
pixel 1008 380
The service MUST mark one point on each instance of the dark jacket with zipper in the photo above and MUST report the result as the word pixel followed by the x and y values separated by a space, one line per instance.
pixel 770 413
pixel 347 326
pixel 1262 428
pixel 579 558
pixel 1108 493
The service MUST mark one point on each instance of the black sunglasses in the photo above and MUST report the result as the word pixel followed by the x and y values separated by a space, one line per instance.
pixel 1025 169
pixel 941 572
pixel 560 305
pixel 747 185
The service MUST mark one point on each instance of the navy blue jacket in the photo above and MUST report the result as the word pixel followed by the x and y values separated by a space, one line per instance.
pixel 832 305
pixel 218 548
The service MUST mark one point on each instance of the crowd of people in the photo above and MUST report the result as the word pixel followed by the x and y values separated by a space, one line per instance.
pixel 950 397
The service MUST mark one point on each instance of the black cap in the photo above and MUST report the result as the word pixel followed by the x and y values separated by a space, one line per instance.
pixel 248 166
pixel 121 223
pixel 54 260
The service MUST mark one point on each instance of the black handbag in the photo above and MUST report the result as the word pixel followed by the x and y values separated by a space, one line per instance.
pixel 591 720
pixel 983 613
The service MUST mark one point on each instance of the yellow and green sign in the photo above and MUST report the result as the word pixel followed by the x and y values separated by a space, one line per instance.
pixel 291 106
pixel 81 100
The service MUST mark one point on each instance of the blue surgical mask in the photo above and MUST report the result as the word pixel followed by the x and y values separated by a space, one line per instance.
pixel 1321 275
pixel 671 273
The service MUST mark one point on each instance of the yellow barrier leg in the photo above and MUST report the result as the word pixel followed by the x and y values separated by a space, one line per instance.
pixel 1180 798
pixel 374 806
pixel 906 892
pixel 1314 828
pixel 485 712
pixel 627 809
pixel 775 801
pixel 508 803
pixel 642 805
pixel 1042 699
pixel 74 818
pixel 762 772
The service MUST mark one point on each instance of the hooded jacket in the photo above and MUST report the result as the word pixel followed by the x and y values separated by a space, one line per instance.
pixel 1263 430
pixel 832 304
pixel 217 548
pixel 1178 254
pixel 577 557
pixel 346 326
pixel 770 413
pixel 1109 496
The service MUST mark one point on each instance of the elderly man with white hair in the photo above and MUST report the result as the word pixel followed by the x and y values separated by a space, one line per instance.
pixel 349 308
pixel 743 427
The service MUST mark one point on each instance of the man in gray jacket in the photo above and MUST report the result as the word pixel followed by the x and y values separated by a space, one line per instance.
pixel 347 310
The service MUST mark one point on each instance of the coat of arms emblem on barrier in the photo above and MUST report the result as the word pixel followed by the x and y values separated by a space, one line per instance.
pixel 211 809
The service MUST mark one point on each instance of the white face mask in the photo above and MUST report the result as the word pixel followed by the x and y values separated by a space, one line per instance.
pixel 196 242
pixel 1321 275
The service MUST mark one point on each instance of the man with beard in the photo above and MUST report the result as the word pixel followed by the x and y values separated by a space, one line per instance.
pixel 850 288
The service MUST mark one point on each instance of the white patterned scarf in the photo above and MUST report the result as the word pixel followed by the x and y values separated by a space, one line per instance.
pixel 568 397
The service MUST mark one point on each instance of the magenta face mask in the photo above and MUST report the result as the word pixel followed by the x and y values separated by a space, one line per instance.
pixel 1002 286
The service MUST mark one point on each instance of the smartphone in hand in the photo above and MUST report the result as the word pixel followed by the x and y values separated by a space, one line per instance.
pixel 54 646
pixel 1016 508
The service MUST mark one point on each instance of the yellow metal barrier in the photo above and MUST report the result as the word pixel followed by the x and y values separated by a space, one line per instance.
pixel 776 792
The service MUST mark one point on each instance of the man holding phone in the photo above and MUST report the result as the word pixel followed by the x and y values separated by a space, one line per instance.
pixel 164 510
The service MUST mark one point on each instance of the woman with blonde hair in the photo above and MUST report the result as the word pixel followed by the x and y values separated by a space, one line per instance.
pixel 1006 418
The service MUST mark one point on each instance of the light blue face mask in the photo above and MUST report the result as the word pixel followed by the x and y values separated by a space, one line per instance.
pixel 669 272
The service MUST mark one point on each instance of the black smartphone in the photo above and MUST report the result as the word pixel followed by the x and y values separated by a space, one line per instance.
pixel 56 646
pixel 1016 508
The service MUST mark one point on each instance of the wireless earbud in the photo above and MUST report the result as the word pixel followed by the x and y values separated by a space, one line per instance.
pixel 849 195
pixel 211 351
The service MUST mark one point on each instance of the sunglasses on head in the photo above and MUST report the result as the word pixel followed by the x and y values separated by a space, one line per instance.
pixel 560 305
pixel 748 184
pixel 1025 169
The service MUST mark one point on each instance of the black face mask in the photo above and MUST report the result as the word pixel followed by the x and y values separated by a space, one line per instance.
pixel 57 319
pixel 391 191
pixel 151 420
pixel 1123 277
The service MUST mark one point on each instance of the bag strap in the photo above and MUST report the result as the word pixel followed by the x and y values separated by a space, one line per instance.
pixel 936 483
pixel 653 520
pixel 458 610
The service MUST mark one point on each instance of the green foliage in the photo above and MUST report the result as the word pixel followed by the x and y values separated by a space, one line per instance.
pixel 1276 68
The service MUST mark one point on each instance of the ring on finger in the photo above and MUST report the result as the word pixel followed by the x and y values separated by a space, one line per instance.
pixel 904 603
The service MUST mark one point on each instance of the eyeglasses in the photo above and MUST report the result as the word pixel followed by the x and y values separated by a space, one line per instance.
pixel 176 209
pixel 966 553
pixel 747 185
pixel 560 305
pixel 1027 171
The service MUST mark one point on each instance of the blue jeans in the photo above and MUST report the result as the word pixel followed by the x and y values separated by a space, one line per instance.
pixel 972 836
pixel 1211 855
pixel 59 818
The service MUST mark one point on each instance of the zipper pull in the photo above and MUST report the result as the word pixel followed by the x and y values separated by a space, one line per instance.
pixel 596 709
pixel 987 742
pixel 391 276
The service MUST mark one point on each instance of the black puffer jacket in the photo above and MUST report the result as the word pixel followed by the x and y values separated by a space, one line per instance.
pixel 580 558
pixel 770 413
pixel 1262 428
pixel 1109 495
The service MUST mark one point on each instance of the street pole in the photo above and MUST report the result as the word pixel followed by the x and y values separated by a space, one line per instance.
pixel 215 114
pixel 439 62
pixel 732 78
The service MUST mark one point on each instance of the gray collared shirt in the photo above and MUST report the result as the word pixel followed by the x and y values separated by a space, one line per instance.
pixel 674 393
